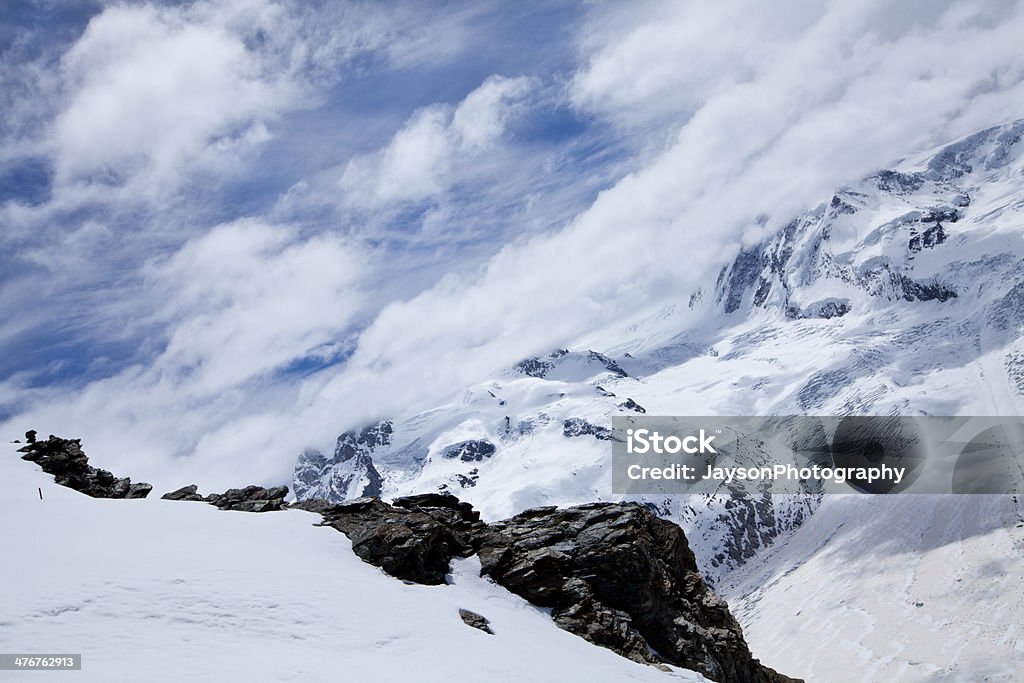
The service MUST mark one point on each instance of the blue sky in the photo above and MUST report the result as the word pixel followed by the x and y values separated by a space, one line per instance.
pixel 244 225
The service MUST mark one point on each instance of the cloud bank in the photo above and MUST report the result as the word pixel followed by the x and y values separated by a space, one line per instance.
pixel 398 248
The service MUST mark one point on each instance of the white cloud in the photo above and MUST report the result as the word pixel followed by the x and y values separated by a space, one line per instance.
pixel 247 298
pixel 743 111
pixel 846 90
pixel 234 307
pixel 154 95
pixel 429 153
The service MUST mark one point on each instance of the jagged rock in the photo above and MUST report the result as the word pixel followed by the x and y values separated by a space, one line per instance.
pixel 414 543
pixel 184 493
pixel 613 573
pixel 470 451
pixel 911 290
pixel 30 436
pixel 250 499
pixel 69 465
pixel 350 473
pixel 577 426
pixel 140 490
pixel 608 363
pixel 899 183
pixel 475 620
pixel 541 367
pixel 630 404
pixel 623 578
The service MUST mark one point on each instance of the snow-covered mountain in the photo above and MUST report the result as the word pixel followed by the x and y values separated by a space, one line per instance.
pixel 903 294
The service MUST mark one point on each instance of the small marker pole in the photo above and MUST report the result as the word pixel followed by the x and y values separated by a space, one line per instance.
pixel 40 493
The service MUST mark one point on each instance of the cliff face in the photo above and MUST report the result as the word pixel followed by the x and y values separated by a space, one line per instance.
pixel 612 573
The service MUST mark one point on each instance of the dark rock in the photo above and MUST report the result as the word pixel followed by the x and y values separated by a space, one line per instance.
pixel 351 444
pixel 623 578
pixel 350 473
pixel 140 490
pixel 533 367
pixel 30 436
pixel 184 493
pixel 607 362
pixel 416 542
pixel 630 404
pixel 470 451
pixel 475 620
pixel 612 573
pixel 577 426
pixel 250 499
pixel 829 308
pixel 468 481
pixel 931 237
pixel 899 183
pixel 69 465
pixel 739 277
pixel 840 206
pixel 912 290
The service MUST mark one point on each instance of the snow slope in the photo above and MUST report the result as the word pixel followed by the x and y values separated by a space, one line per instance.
pixel 900 588
pixel 152 590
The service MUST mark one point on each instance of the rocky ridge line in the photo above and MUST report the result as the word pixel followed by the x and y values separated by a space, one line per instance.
pixel 614 574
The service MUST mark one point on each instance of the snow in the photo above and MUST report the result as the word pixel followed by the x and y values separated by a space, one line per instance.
pixel 163 590
pixel 891 588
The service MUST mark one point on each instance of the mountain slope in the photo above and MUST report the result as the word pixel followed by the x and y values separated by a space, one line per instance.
pixel 899 294
pixel 155 590
pixel 900 588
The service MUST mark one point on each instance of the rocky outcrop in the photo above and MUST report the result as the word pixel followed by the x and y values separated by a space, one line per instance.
pixel 621 577
pixel 248 499
pixel 475 620
pixel 612 573
pixel 630 404
pixel 577 426
pixel 473 450
pixel 69 465
pixel 413 540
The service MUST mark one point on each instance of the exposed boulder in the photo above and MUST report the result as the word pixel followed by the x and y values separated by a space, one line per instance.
pixel 140 490
pixel 407 542
pixel 189 492
pixel 475 620
pixel 69 465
